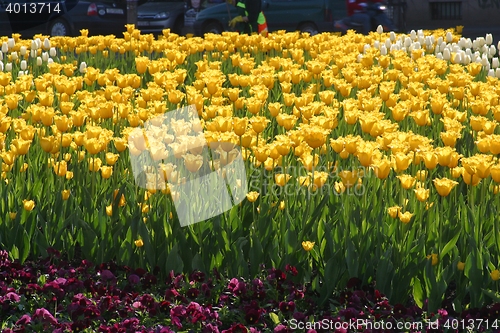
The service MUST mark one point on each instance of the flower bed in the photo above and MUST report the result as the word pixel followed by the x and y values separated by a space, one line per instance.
pixel 365 156
pixel 56 295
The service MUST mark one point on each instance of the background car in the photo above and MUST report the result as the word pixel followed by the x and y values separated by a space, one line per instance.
pixel 156 15
pixel 311 16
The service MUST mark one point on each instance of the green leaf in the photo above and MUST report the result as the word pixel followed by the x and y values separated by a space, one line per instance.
pixel 449 246
pixel 274 317
pixel 418 293
pixel 174 262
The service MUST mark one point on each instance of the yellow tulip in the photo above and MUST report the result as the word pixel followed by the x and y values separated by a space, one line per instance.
pixel 28 205
pixel 434 259
pixel 307 245
pixel 422 194
pixel 405 217
pixel 65 194
pixel 139 243
pixel 252 196
pixel 444 186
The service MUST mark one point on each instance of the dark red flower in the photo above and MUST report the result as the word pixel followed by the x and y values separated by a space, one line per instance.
pixel 287 306
pixel 291 269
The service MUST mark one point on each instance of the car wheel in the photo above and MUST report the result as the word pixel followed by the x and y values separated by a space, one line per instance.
pixel 309 27
pixel 59 28
pixel 213 27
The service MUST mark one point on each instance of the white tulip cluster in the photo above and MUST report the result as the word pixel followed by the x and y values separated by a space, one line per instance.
pixel 465 51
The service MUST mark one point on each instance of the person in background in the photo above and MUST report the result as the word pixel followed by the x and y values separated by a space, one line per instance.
pixel 250 16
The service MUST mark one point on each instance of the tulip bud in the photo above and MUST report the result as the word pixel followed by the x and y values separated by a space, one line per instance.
pixel 50 60
pixel 33 45
pixel 8 67
pixel 38 43
pixel 45 56
pixel 497 73
pixel 38 61
pixel 467 59
pixel 481 41
pixel 376 44
pixel 461 43
pixel 489 39
pixel 83 67
pixel 388 43
pixel 383 50
pixel 366 48
pixel 24 65
pixel 22 50
pixel 11 43
pixel 407 42
pixel 455 48
pixel 449 37
pixel 52 52
pixel 446 54
pixel 493 50
pixel 1 66
pixel 380 29
pixel 392 36
pixel 443 46
pixel 33 53
pixel 5 47
pixel 484 61
pixel 46 44
pixel 14 56
pixel 21 73
pixel 440 40
pixel 494 63
pixel 1 55
pixel 439 56
pixel 468 43
pixel 413 35
pixel 491 73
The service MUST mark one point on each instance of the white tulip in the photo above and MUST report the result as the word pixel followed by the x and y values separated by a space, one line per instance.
pixel 481 41
pixel 485 61
pixel 24 65
pixel 5 47
pixel 1 55
pixel 498 47
pixel 497 73
pixel 388 43
pixel 11 43
pixel 443 46
pixel 359 58
pixel 8 67
pixel 491 73
pixel 407 42
pixel 366 48
pixel 439 55
pixel 468 43
pixel 83 67
pixel 21 73
pixel 484 49
pixel 446 54
pixel 23 50
pixel 493 50
pixel 52 52
pixel 34 45
pixel 38 43
pixel 376 44
pixel 413 35
pixel 475 44
pixel 38 61
pixel 467 59
pixel 494 63
pixel 417 45
pixel 440 40
pixel 457 58
pixel 455 48
pixel 489 39
pixel 33 53
pixel 46 44
pixel 449 37
pixel 49 61
pixel 383 50
pixel 380 29
pixel 14 56
pixel 1 66
pixel 45 56
pixel 468 52
pixel 392 36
